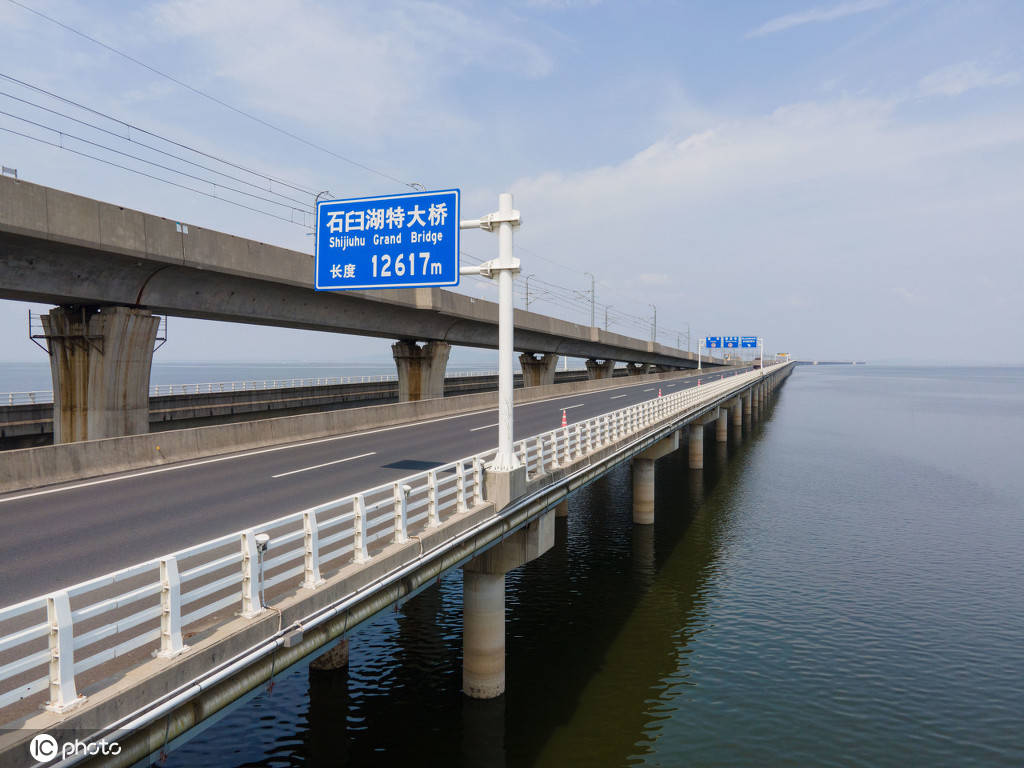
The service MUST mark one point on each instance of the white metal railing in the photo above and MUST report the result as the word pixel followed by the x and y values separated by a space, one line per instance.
pixel 212 387
pixel 48 641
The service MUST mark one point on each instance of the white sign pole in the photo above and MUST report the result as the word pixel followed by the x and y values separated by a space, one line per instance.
pixel 504 269
pixel 505 458
pixel 698 352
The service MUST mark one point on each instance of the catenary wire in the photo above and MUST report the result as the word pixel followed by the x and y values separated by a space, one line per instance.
pixel 131 127
pixel 150 147
pixel 149 175
pixel 153 163
pixel 214 99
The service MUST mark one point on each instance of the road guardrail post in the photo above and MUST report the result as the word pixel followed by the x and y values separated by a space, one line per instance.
pixel 251 605
pixel 359 553
pixel 460 488
pixel 171 643
pixel 433 520
pixel 311 542
pixel 63 694
pixel 478 481
pixel 401 495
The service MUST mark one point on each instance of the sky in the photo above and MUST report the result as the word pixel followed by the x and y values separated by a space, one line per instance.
pixel 840 178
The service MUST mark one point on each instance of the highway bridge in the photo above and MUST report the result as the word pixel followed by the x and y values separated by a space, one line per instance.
pixel 150 579
pixel 112 271
pixel 183 610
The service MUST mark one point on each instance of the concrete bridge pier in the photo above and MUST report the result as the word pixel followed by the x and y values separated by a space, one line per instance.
pixel 722 426
pixel 747 406
pixel 329 705
pixel 643 478
pixel 697 438
pixel 483 605
pixel 538 371
pixel 420 369
pixel 602 370
pixel 736 418
pixel 562 510
pixel 100 361
pixel 637 369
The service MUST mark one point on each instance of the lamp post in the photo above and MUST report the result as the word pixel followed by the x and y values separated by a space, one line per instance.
pixel 654 323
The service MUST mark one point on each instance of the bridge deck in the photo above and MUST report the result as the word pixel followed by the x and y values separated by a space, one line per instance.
pixel 113 615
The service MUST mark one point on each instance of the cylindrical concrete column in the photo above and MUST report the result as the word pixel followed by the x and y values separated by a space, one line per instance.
pixel 562 510
pixel 483 634
pixel 736 417
pixel 696 446
pixel 747 405
pixel 602 370
pixel 538 371
pixel 100 360
pixel 722 426
pixel 643 491
pixel 336 657
pixel 420 369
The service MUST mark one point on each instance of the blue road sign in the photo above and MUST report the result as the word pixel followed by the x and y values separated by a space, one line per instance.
pixel 731 342
pixel 395 241
pixel 748 341
pixel 713 342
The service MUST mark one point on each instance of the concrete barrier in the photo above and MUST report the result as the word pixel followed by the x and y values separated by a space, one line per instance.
pixel 47 465
pixel 30 425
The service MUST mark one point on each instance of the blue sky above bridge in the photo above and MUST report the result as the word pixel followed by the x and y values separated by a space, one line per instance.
pixel 842 178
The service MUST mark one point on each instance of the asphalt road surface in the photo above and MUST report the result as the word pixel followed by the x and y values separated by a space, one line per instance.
pixel 60 535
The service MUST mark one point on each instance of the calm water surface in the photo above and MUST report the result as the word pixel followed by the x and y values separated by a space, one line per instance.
pixel 844 586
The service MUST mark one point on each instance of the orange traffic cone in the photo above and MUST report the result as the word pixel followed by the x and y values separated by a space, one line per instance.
pixel 659 391
pixel 564 420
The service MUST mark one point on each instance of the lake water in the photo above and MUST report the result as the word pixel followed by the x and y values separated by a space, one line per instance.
pixel 35 376
pixel 842 587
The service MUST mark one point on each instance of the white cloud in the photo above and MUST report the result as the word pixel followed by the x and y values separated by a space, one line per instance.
pixel 562 4
pixel 826 202
pixel 960 78
pixel 813 15
pixel 368 70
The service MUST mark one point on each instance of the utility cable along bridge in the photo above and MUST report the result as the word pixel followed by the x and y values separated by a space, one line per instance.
pixel 147 652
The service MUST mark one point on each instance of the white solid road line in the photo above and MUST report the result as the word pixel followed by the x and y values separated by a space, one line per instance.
pixel 256 452
pixel 327 464
pixel 615 397
pixel 477 429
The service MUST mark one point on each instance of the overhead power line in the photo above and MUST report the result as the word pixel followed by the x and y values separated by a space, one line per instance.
pixel 187 175
pixel 129 127
pixel 214 99
pixel 148 175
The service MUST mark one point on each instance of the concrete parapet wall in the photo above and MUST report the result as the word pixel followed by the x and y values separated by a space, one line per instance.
pixel 46 465
pixel 31 424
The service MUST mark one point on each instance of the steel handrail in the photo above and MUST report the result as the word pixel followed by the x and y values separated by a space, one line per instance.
pixel 382 512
